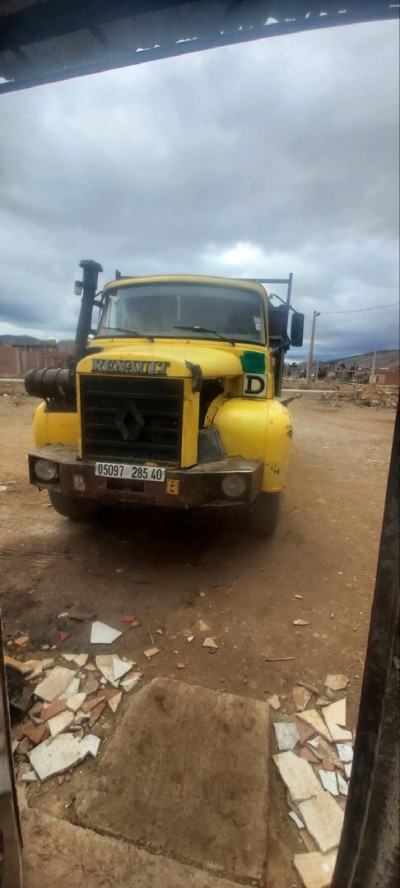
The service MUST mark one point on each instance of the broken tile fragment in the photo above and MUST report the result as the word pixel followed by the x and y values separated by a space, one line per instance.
pixel 60 722
pixel 121 667
pixel 287 735
pixel 203 627
pixel 21 640
pixel 180 666
pixel 29 777
pixel 301 696
pixel 131 680
pixel 336 712
pixel 79 659
pixel 105 664
pixel 339 735
pixel 36 733
pixel 114 702
pixel 345 752
pixel 90 704
pixel 58 755
pixel 323 818
pixel 324 751
pixel 74 703
pixel 103 634
pixel 210 643
pixel 305 731
pixel 296 819
pixel 301 622
pixel 347 769
pixel 54 684
pixel 96 713
pixel 151 652
pixel 90 686
pixel 64 635
pixel 274 702
pixel 297 775
pixel 336 682
pixel 35 668
pixel 313 718
pixel 309 756
pixel 316 869
pixel 329 782
pixel 53 709
pixel 342 785
pixel 71 689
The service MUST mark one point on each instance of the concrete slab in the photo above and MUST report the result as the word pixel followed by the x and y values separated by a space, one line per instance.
pixel 186 772
pixel 58 853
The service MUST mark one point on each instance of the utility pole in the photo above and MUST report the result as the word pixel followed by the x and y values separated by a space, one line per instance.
pixel 372 374
pixel 310 353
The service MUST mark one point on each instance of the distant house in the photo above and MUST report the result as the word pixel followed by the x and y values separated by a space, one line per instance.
pixel 16 358
pixel 387 376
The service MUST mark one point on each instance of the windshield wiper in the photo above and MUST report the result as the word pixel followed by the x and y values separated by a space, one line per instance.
pixel 197 329
pixel 128 333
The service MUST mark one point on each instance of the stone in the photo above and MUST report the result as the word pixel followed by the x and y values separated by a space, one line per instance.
pixel 18 665
pixel 316 869
pixel 63 752
pixel 342 785
pixel 323 818
pixel 210 643
pixel 287 735
pixel 60 722
pixel 198 775
pixel 336 682
pixel 203 627
pixel 298 776
pixel 274 702
pixel 54 684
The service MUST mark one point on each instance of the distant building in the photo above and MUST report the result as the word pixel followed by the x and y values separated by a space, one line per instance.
pixel 387 376
pixel 17 358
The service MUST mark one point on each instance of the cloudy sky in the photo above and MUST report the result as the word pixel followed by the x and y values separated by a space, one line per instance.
pixel 253 160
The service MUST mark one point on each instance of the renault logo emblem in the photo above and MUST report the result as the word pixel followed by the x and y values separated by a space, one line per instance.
pixel 129 422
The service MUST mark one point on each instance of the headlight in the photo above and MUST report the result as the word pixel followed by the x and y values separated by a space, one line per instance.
pixel 233 486
pixel 46 470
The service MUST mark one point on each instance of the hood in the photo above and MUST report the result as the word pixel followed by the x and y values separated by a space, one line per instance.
pixel 164 359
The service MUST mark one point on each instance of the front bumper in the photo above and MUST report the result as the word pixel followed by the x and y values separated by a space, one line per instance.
pixel 183 488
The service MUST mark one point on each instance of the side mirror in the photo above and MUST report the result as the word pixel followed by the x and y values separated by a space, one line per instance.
pixel 297 329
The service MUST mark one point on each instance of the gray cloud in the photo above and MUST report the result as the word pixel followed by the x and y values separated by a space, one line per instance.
pixel 252 160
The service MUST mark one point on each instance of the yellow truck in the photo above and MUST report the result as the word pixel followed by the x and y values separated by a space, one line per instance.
pixel 171 401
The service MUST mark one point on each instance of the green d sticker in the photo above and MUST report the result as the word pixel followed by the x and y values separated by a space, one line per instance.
pixel 253 362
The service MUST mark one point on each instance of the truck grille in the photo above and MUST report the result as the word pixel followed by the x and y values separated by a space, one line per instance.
pixel 133 420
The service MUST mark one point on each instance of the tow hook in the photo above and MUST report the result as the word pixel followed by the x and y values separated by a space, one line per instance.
pixel 293 398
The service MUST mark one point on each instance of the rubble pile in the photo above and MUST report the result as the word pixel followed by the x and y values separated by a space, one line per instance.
pixel 314 761
pixel 363 396
pixel 63 705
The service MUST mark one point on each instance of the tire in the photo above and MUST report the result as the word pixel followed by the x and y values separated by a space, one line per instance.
pixel 72 507
pixel 264 514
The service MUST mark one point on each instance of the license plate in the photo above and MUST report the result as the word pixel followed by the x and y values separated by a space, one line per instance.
pixel 132 473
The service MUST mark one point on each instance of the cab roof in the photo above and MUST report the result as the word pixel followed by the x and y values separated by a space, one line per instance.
pixel 239 283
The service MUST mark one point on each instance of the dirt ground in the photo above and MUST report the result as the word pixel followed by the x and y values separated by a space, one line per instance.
pixel 171 571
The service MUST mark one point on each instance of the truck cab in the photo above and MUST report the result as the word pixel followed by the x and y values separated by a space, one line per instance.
pixel 172 402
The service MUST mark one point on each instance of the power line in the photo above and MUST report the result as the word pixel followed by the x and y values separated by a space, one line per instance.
pixel 354 310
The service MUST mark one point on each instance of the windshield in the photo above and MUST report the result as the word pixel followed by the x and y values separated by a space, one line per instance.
pixel 180 310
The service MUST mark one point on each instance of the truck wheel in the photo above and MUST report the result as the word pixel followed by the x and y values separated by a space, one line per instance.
pixel 72 507
pixel 265 512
